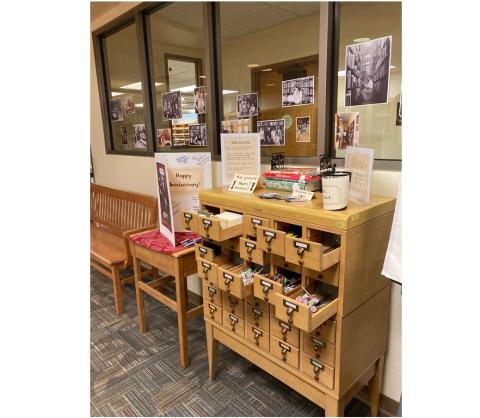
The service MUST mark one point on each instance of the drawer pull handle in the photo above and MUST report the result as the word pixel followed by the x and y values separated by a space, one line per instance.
pixel 205 269
pixel 284 354
pixel 256 335
pixel 268 239
pixel 233 302
pixel 256 315
pixel 206 226
pixel 266 289
pixel 316 370
pixel 233 322
pixel 212 311
pixel 290 312
pixel 317 344
pixel 211 292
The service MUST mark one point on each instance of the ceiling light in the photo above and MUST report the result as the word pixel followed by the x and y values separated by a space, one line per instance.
pixel 186 89
pixel 229 91
pixel 270 84
pixel 139 105
pixel 253 65
pixel 138 85
pixel 202 76
pixel 361 39
pixel 267 69
pixel 116 93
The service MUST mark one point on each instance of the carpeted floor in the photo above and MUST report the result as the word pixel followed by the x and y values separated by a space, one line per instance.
pixel 135 374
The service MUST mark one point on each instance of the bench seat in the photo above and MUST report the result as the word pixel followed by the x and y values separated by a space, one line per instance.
pixel 106 247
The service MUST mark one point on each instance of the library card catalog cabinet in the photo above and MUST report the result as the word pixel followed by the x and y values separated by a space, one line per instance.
pixel 327 352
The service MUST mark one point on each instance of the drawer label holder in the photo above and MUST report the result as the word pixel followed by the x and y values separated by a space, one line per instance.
pixel 317 367
pixel 202 251
pixel 291 308
pixel 256 221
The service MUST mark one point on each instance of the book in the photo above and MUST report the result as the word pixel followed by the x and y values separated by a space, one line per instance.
pixel 287 186
pixel 304 174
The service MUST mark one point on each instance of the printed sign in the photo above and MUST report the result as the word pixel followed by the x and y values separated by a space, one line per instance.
pixel 243 183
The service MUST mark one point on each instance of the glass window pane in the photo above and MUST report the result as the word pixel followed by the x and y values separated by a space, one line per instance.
pixel 125 90
pixel 263 45
pixel 177 36
pixel 378 127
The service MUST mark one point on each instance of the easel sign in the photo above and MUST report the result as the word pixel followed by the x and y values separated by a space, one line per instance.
pixel 165 212
pixel 243 183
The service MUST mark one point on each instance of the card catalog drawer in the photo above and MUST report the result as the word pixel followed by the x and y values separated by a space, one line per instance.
pixel 189 220
pixel 266 289
pixel 327 331
pixel 271 240
pixel 319 349
pixel 285 352
pixel 233 305
pixel 212 312
pixel 230 281
pixel 251 223
pixel 234 323
pixel 205 252
pixel 284 331
pixel 298 314
pixel 264 306
pixel 309 254
pixel 211 294
pixel 209 227
pixel 208 269
pixel 320 372
pixel 249 251
pixel 258 337
pixel 257 317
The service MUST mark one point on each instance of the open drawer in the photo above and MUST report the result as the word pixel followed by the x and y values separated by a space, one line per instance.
pixel 207 251
pixel 266 289
pixel 189 220
pixel 208 269
pixel 249 251
pixel 251 224
pixel 299 315
pixel 310 254
pixel 230 281
pixel 271 240
pixel 209 227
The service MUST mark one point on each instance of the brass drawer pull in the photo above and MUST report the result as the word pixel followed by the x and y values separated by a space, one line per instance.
pixel 285 350
pixel 211 291
pixel 291 308
pixel 212 311
pixel 227 278
pixel 317 368
pixel 207 223
pixel 233 302
pixel 318 344
pixel 233 321
pixel 256 335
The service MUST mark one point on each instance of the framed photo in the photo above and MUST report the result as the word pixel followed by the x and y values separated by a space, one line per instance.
pixel 302 133
pixel 272 132
pixel 116 110
pixel 197 135
pixel 199 100
pixel 347 129
pixel 139 136
pixel 164 137
pixel 172 105
pixel 367 72
pixel 237 126
pixel 298 91
pixel 247 105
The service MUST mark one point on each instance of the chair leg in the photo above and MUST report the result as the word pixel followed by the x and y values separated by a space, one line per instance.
pixel 117 289
pixel 139 294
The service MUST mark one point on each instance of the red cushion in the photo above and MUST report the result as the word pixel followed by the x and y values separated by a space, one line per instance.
pixel 154 240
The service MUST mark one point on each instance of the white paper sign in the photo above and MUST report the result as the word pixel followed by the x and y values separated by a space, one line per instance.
pixel 240 154
pixel 243 183
pixel 188 173
pixel 301 195
pixel 359 161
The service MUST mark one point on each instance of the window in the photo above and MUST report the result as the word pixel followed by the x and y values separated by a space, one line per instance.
pixel 265 45
pixel 177 56
pixel 379 125
pixel 125 91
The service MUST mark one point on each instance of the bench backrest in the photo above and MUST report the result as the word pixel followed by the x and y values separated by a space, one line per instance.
pixel 120 210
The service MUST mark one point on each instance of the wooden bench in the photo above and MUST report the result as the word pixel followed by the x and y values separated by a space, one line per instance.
pixel 114 216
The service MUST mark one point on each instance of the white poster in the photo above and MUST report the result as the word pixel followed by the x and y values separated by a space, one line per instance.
pixel 188 173
pixel 359 162
pixel 240 154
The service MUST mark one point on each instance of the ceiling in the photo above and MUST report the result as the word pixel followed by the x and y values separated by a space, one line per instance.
pixel 98 8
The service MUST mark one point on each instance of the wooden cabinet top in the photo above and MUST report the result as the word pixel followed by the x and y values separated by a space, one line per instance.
pixel 309 212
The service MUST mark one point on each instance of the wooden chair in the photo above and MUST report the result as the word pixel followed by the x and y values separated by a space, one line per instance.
pixel 114 216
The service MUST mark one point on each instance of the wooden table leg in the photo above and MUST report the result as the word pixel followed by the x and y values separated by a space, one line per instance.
pixel 374 386
pixel 334 407
pixel 212 348
pixel 181 292
pixel 139 294
pixel 117 289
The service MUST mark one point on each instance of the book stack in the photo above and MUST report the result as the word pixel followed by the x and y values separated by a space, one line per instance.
pixel 307 178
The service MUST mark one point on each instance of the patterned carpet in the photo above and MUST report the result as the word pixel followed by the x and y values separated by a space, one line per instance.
pixel 135 374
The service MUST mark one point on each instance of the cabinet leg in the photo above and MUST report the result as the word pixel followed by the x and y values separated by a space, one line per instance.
pixel 117 289
pixel 334 407
pixel 212 348
pixel 139 294
pixel 374 386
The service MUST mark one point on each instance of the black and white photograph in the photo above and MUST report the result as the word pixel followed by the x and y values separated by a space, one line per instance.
pixel 116 110
pixel 139 136
pixel 197 135
pixel 166 216
pixel 298 91
pixel 128 105
pixel 272 132
pixel 247 105
pixel 124 135
pixel 172 105
pixel 302 133
pixel 199 100
pixel 367 72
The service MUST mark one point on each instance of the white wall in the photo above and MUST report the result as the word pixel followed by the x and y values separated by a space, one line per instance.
pixel 138 174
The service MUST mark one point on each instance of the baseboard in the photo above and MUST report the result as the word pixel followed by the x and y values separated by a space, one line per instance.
pixel 386 405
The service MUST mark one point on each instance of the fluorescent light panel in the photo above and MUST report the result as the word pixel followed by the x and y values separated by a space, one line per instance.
pixel 138 86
